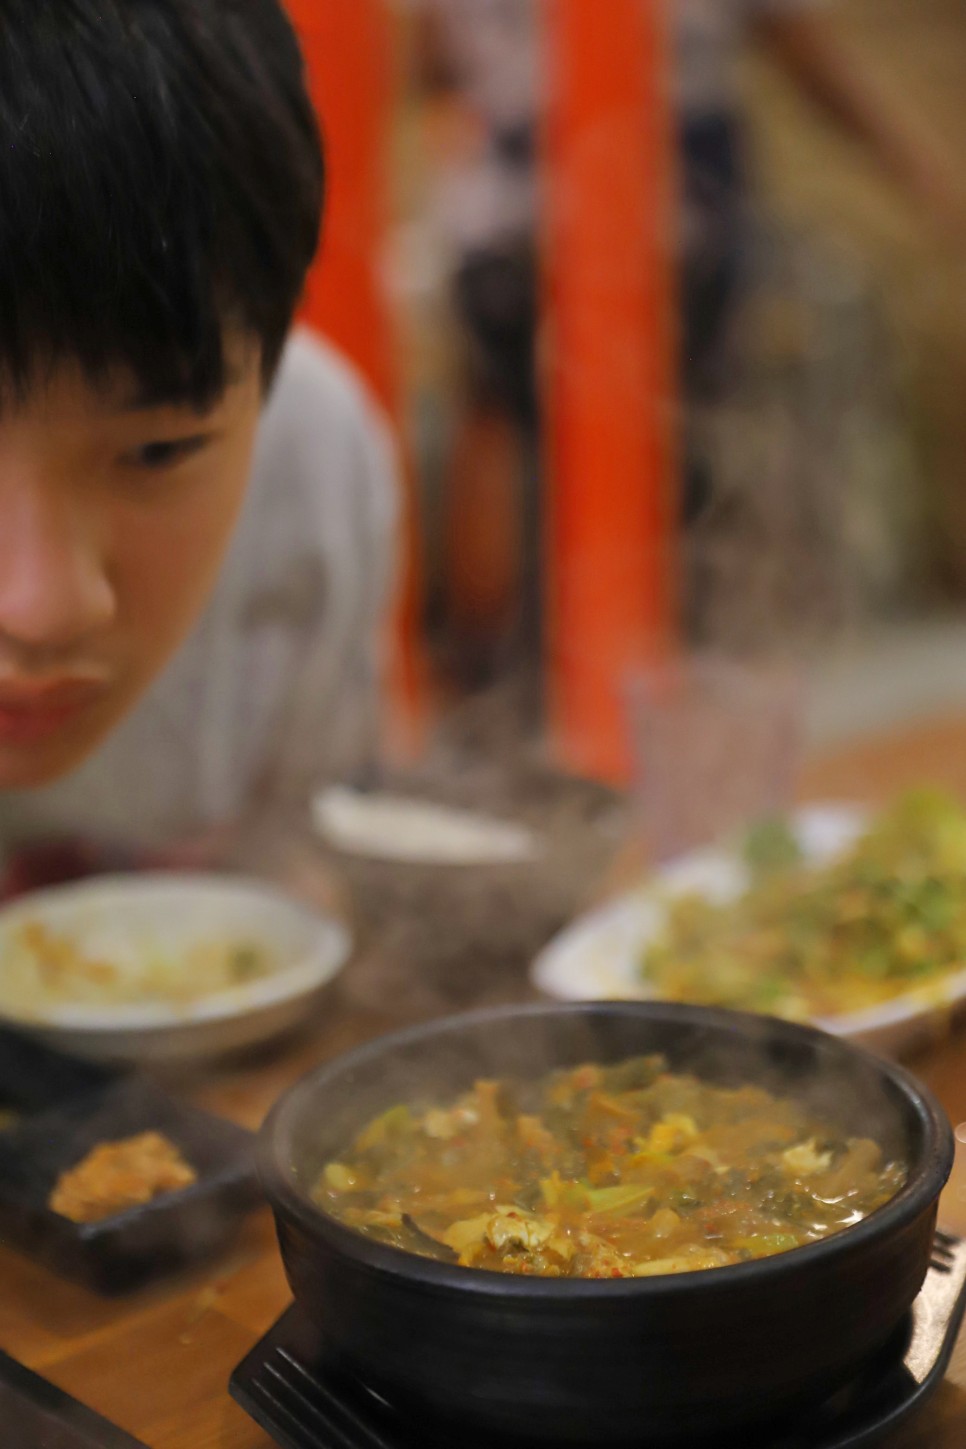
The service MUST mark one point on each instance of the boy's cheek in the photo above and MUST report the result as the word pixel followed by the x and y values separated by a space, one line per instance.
pixel 166 562
pixel 162 565
pixel 159 549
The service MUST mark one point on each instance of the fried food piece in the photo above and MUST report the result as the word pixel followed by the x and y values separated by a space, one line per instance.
pixel 115 1176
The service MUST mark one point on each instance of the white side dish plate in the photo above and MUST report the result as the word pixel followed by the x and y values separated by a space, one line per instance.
pixel 395 828
pixel 169 921
pixel 598 956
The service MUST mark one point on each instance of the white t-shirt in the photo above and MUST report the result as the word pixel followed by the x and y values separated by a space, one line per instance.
pixel 277 687
pixel 496 51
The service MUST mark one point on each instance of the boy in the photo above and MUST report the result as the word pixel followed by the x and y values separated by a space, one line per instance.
pixel 161 187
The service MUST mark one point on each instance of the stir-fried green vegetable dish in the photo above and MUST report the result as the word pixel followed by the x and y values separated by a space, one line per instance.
pixel 605 1172
pixel 887 917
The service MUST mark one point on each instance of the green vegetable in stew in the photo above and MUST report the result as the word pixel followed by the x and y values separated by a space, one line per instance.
pixel 605 1172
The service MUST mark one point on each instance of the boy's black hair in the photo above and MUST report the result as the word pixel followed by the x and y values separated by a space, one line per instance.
pixel 161 181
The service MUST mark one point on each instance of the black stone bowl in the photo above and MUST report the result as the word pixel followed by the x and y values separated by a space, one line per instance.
pixel 570 1361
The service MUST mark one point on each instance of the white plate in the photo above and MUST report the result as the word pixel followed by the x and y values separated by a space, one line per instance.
pixel 123 917
pixel 394 828
pixel 598 956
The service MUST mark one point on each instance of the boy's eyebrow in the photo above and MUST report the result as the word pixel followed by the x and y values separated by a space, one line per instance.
pixel 176 395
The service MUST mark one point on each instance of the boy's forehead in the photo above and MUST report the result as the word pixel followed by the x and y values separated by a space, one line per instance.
pixel 66 385
pixel 132 394
pixel 123 391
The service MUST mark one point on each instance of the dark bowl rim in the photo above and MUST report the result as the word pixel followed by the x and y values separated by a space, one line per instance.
pixel 921 1189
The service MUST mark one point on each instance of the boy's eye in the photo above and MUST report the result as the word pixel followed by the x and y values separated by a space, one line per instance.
pixel 164 454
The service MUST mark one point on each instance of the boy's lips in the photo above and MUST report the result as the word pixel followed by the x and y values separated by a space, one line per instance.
pixel 31 711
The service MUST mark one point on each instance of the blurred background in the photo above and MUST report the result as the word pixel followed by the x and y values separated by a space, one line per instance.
pixel 667 301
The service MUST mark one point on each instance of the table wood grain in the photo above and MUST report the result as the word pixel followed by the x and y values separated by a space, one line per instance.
pixel 158 1363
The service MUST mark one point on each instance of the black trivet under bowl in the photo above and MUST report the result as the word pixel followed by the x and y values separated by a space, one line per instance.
pixel 303 1403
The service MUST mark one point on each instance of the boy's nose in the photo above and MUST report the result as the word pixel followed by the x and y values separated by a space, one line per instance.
pixel 54 587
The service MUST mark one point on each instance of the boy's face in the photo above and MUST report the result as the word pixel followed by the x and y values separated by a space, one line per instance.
pixel 113 520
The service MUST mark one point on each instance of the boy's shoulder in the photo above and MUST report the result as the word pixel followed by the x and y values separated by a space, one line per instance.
pixel 320 519
pixel 313 370
pixel 323 440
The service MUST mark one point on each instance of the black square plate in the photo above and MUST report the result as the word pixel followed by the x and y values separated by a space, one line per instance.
pixel 33 1078
pixel 37 1415
pixel 122 1252
pixel 303 1403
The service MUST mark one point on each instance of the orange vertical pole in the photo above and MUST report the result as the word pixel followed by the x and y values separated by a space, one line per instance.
pixel 610 371
pixel 349 47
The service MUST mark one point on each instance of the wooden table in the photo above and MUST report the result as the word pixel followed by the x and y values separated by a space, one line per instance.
pixel 158 1364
